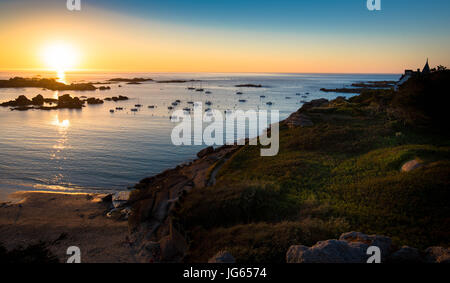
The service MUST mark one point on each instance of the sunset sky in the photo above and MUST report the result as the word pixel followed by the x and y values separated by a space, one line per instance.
pixel 227 36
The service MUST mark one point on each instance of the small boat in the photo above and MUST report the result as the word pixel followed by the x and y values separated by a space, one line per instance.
pixel 208 103
pixel 239 93
pixel 134 110
pixel 269 103
pixel 304 96
pixel 191 88
pixel 262 96
pixel 208 92
pixel 187 109
pixel 288 97
pixel 298 93
pixel 242 100
pixel 138 105
pixel 190 102
pixel 111 111
pixel 307 93
pixel 170 107
pixel 199 89
pixel 119 108
pixel 207 109
pixel 174 103
pixel 177 101
pixel 151 106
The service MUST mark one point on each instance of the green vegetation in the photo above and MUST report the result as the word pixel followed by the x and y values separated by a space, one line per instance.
pixel 339 175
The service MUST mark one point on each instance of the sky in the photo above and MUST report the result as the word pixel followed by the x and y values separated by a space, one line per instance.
pixel 310 36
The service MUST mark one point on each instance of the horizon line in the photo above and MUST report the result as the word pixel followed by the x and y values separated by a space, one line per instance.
pixel 192 72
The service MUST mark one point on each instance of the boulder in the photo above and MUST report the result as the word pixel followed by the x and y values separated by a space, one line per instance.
pixel 330 251
pixel 437 255
pixel 350 248
pixel 22 100
pixel 114 213
pixel 384 243
pixel 406 254
pixel 38 100
pixel 222 257
pixel 119 213
pixel 205 151
pixel 411 165
pixel 120 198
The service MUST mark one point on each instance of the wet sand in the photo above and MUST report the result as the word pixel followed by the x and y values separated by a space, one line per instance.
pixel 63 220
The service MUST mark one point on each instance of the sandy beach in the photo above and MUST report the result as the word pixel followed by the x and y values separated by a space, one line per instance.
pixel 63 220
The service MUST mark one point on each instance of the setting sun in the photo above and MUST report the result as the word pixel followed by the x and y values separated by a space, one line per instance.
pixel 60 57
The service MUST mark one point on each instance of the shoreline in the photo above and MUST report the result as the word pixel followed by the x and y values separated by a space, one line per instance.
pixel 61 220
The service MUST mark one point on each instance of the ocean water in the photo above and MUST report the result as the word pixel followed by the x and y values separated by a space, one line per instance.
pixel 94 150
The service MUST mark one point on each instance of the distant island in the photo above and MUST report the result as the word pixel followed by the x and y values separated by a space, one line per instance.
pixel 51 84
pixel 249 85
pixel 362 86
pixel 176 81
pixel 134 80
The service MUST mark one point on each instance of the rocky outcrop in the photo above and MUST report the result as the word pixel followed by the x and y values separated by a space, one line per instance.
pixel 93 100
pixel 153 232
pixel 22 100
pixel 63 101
pixel 66 101
pixel 205 152
pixel 222 257
pixel 330 251
pixel 406 254
pixel 352 247
pixel 437 255
pixel 384 243
pixel 116 98
pixel 119 205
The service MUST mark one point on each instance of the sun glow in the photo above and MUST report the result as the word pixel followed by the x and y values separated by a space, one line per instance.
pixel 60 57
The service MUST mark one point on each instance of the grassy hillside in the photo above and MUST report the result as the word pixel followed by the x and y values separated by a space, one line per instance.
pixel 341 174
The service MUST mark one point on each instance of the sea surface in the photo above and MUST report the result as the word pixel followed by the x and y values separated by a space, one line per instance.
pixel 93 150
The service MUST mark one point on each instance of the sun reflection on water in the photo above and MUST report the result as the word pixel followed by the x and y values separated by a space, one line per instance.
pixel 62 127
pixel 61 76
pixel 61 124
